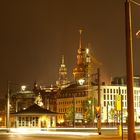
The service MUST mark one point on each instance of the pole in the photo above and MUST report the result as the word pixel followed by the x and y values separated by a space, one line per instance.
pixel 129 71
pixel 99 103
pixel 73 110
pixel 107 113
pixel 8 107
pixel 122 115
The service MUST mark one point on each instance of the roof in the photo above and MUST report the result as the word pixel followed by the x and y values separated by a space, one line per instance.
pixel 74 86
pixel 35 109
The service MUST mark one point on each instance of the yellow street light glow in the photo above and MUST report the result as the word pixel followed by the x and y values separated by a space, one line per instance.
pixel 87 50
pixel 89 101
pixel 61 121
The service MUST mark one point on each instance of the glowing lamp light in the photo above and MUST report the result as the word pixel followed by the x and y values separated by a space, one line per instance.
pixel 87 50
pixel 23 88
pixel 61 121
pixel 89 101
pixel 81 81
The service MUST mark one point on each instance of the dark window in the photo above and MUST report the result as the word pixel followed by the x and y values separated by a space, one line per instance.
pixel 104 103
pixel 104 97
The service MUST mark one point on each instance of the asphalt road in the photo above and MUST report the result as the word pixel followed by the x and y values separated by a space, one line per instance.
pixel 15 136
pixel 107 134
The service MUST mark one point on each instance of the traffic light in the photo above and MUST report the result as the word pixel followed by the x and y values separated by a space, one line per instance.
pixel 98 112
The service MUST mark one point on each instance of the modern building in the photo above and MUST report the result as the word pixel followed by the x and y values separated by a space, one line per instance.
pixel 122 81
pixel 109 103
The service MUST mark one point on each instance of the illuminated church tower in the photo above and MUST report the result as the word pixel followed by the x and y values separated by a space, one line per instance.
pixel 79 71
pixel 63 80
pixel 84 65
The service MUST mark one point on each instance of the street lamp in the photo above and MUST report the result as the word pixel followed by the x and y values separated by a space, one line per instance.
pixel 8 108
pixel 23 88
pixel 9 93
pixel 107 112
pixel 79 82
pixel 98 107
pixel 99 102
pixel 74 110
pixel 90 102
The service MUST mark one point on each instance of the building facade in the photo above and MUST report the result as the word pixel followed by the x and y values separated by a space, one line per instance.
pixel 76 102
pixel 34 117
pixel 109 100
pixel 76 97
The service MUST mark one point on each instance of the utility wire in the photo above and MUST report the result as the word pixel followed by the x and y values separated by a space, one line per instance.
pixel 138 4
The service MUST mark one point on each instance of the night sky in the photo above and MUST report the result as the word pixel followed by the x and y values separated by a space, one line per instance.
pixel 34 34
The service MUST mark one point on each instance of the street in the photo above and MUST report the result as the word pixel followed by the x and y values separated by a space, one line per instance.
pixel 14 136
pixel 52 137
pixel 64 134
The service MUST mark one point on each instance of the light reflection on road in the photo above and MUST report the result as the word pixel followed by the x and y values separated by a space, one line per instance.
pixel 64 134
pixel 15 136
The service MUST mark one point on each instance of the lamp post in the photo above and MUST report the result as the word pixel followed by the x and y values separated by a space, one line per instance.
pixel 99 103
pixel 107 112
pixel 129 71
pixel 79 82
pixel 8 108
pixel 90 102
pixel 9 93
pixel 73 109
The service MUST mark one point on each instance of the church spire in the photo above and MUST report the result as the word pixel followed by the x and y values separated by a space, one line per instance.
pixel 78 71
pixel 80 41
pixel 63 80
pixel 63 63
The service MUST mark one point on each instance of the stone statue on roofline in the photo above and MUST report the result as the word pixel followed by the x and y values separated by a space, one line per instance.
pixel 38 100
